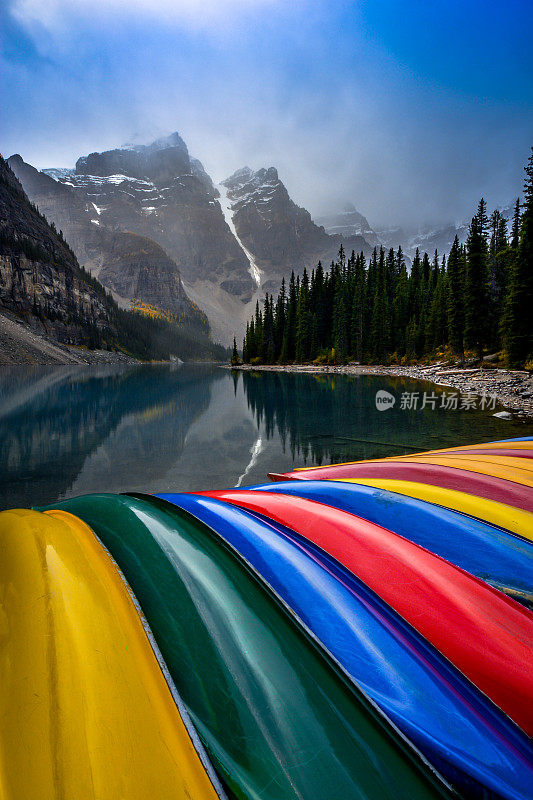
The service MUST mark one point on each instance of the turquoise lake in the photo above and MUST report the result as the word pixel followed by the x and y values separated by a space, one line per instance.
pixel 65 431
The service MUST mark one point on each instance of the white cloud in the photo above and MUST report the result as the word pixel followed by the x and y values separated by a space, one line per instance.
pixel 55 15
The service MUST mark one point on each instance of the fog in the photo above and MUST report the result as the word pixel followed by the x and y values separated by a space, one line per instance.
pixel 403 114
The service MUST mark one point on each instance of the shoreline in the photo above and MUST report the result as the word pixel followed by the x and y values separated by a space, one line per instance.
pixel 513 389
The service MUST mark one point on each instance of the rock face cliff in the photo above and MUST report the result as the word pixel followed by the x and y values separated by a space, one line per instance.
pixel 40 279
pixel 281 235
pixel 129 264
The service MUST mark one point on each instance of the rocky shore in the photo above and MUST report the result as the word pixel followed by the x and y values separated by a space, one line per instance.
pixel 513 389
pixel 19 344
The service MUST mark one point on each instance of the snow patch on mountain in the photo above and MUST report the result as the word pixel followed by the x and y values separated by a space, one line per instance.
pixel 227 210
pixel 246 187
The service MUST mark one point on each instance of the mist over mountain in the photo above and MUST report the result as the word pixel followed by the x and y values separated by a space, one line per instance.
pixel 425 238
pixel 349 222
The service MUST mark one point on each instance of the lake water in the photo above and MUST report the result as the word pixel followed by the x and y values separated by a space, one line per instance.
pixel 66 431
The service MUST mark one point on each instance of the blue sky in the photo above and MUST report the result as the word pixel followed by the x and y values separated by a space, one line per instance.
pixel 412 110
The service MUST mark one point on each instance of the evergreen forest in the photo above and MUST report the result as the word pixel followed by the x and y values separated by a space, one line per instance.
pixel 473 301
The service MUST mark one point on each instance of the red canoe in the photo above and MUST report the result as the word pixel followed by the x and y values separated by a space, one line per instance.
pixel 485 634
pixel 504 491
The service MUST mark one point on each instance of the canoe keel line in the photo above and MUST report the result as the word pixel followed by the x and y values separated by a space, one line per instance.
pixel 358 630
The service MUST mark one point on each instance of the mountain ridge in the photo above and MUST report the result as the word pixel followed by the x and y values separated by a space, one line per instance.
pixel 228 244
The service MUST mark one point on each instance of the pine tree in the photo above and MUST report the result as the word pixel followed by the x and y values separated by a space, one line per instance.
pixel 476 284
pixel 251 351
pixel 436 330
pixel 415 286
pixel 340 322
pixel 519 308
pixel 245 355
pixel 426 271
pixel 288 346
pixel 341 259
pixel 498 273
pixel 380 314
pixel 482 217
pixel 358 307
pixel 515 231
pixel 319 305
pixel 280 319
pixel 235 354
pixel 267 346
pixel 400 308
pixel 303 321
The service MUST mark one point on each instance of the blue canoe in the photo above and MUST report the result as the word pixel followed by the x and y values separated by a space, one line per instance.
pixel 461 733
pixel 494 555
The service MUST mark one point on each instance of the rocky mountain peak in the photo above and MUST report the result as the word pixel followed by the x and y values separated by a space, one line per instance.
pixel 239 177
pixel 261 191
pixel 16 159
pixel 245 179
pixel 160 161
pixel 278 233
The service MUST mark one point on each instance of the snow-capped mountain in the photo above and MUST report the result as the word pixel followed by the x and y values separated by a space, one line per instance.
pixel 349 222
pixel 278 233
pixel 159 192
pixel 142 217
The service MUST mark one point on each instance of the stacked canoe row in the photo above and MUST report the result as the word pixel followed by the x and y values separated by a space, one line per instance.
pixel 358 631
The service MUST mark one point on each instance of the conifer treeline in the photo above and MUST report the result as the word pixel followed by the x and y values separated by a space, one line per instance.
pixel 479 298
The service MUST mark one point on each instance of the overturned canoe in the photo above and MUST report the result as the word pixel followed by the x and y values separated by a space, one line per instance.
pixel 86 710
pixel 508 517
pixel 509 492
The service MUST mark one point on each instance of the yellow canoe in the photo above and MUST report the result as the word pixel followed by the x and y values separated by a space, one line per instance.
pixel 86 711
pixel 513 519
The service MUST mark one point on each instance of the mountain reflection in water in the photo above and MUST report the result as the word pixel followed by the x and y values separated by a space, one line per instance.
pixel 69 430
